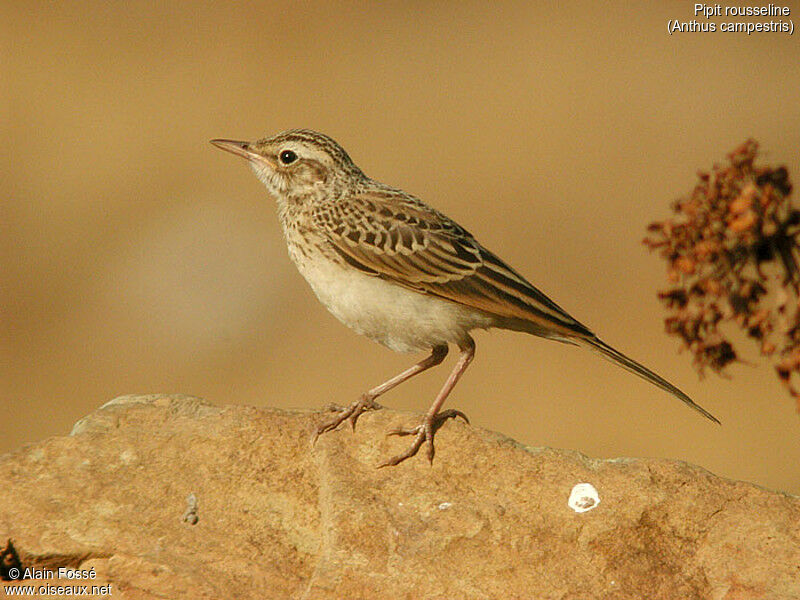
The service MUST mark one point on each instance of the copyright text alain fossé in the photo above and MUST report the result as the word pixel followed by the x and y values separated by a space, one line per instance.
pixel 44 582
pixel 722 18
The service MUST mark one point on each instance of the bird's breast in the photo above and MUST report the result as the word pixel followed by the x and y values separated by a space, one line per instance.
pixel 397 317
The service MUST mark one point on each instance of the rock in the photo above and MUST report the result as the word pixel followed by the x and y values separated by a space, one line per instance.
pixel 172 497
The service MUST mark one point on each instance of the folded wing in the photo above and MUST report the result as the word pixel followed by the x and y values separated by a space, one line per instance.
pixel 394 236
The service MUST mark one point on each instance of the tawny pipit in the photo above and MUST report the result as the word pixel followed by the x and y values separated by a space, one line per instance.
pixel 400 272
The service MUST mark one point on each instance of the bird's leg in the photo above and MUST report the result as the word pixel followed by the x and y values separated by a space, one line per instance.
pixel 367 400
pixel 434 419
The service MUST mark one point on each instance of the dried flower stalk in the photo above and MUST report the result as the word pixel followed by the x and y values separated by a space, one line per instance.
pixel 731 252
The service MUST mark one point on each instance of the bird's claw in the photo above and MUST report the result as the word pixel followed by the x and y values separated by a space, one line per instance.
pixel 424 433
pixel 346 413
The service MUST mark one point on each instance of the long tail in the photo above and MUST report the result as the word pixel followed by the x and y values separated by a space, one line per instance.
pixel 634 367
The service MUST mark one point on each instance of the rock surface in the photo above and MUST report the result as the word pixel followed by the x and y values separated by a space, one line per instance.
pixel 276 517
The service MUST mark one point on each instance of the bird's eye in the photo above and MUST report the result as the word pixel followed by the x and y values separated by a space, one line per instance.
pixel 288 157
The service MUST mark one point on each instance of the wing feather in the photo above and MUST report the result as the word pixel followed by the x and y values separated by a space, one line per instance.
pixel 394 236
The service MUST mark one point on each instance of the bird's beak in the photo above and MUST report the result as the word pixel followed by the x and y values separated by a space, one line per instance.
pixel 238 148
pixel 243 149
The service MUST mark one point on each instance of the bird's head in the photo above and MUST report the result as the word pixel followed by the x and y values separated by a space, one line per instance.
pixel 297 162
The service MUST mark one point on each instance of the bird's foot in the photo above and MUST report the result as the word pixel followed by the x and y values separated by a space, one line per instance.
pixel 347 413
pixel 424 433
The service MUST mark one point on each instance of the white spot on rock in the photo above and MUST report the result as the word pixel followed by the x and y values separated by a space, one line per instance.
pixel 584 497
pixel 126 457
pixel 190 516
pixel 445 505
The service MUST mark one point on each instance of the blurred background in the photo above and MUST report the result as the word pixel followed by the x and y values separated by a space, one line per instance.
pixel 135 257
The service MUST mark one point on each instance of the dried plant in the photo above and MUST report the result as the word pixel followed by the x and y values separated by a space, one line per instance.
pixel 731 258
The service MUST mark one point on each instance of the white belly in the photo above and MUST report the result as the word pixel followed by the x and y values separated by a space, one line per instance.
pixel 399 318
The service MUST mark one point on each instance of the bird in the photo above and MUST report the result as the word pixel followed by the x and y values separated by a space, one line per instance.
pixel 402 273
